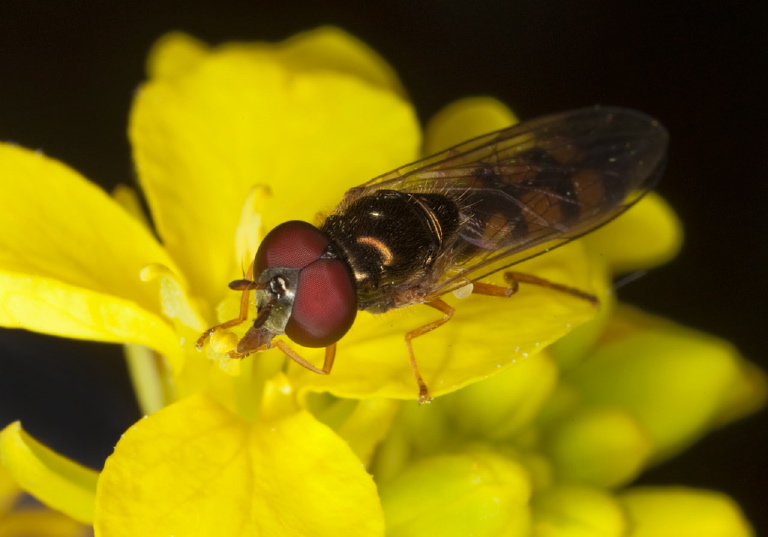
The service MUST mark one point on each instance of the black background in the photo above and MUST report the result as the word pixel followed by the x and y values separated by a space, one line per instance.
pixel 68 70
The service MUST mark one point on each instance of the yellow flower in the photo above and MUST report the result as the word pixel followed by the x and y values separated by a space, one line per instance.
pixel 558 440
pixel 229 142
pixel 21 517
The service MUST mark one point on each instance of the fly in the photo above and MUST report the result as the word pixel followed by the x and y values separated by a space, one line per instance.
pixel 445 222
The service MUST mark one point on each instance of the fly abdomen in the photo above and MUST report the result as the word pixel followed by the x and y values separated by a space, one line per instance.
pixel 390 238
pixel 539 191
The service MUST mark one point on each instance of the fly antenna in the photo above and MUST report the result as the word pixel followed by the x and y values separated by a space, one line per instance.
pixel 246 285
pixel 259 321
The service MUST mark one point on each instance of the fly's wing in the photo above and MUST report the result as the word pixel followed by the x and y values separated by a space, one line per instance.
pixel 535 186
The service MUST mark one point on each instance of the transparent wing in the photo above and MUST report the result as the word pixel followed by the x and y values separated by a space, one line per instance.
pixel 534 186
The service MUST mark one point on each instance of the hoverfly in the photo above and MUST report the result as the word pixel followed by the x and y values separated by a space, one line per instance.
pixel 445 222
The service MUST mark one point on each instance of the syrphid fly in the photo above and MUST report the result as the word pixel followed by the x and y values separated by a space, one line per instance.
pixel 445 222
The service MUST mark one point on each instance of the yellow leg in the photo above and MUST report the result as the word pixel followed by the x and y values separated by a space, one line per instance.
pixel 516 278
pixel 438 304
pixel 246 285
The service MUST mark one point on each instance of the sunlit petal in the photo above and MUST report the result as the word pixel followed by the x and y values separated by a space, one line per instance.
pixel 237 120
pixel 174 54
pixel 9 490
pixel 465 119
pixel 70 257
pixel 53 307
pixel 59 226
pixel 195 469
pixel 55 480
pixel 330 48
pixel 647 235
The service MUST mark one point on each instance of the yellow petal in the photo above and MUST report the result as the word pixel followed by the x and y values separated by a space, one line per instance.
pixel 647 235
pixel 54 480
pixel 485 336
pixel 250 228
pixel 325 48
pixel 52 307
pixel 150 378
pixel 749 392
pixel 129 199
pixel 174 54
pixel 57 225
pixel 330 48
pixel 238 120
pixel 570 350
pixel 176 304
pixel 363 424
pixel 465 119
pixel 9 490
pixel 683 512
pixel 194 468
pixel 480 494
pixel 572 511
pixel 70 257
pixel 39 522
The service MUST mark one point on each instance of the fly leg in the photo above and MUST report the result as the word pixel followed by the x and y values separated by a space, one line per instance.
pixel 330 355
pixel 514 279
pixel 253 341
pixel 245 285
pixel 442 306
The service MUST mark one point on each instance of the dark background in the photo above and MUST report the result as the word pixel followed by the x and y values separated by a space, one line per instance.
pixel 68 70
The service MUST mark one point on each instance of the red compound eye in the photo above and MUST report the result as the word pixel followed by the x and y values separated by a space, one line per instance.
pixel 325 305
pixel 293 244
